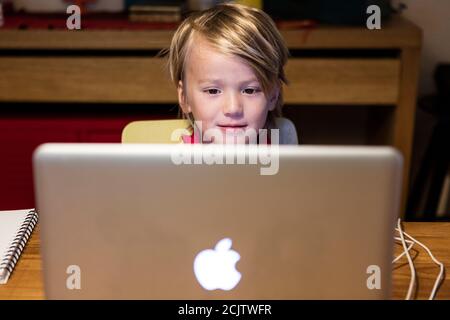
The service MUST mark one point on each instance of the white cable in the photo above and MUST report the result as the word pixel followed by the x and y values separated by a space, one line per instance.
pixel 411 244
pixel 410 262
pixel 440 264
pixel 406 250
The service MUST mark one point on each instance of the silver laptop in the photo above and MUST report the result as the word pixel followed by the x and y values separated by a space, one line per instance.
pixel 225 222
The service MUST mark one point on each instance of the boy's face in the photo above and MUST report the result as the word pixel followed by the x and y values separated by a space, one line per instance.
pixel 222 91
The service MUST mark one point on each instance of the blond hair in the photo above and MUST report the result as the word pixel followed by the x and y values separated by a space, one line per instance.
pixel 237 30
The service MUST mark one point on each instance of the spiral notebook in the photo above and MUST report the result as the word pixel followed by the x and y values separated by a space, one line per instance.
pixel 15 229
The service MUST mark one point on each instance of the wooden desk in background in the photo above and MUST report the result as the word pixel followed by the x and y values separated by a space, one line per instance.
pixel 26 280
pixel 329 65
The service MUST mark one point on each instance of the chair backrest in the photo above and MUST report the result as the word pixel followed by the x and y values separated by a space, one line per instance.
pixel 152 131
pixel 160 131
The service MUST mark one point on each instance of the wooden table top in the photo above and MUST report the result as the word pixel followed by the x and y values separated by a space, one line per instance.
pixel 26 280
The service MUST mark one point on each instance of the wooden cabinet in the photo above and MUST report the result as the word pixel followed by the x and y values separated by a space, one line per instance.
pixel 132 80
pixel 331 66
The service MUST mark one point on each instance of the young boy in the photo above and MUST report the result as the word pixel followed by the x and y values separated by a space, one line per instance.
pixel 227 63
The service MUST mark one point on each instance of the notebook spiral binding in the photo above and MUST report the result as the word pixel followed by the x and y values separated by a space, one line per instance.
pixel 19 242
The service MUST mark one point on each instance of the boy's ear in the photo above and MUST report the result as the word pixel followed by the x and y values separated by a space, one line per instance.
pixel 274 98
pixel 182 100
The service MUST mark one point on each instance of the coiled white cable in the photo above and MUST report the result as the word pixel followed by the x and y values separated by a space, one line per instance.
pixel 406 250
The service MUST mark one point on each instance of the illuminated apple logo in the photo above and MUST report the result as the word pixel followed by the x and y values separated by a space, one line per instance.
pixel 216 269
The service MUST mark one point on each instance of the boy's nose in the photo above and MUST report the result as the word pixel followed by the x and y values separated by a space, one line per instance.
pixel 233 106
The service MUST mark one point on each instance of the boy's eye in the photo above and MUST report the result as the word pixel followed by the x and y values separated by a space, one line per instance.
pixel 251 90
pixel 212 91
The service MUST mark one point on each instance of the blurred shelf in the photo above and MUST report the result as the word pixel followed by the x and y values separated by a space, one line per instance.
pixel 396 33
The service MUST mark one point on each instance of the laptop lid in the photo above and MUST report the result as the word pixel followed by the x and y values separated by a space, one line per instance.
pixel 145 222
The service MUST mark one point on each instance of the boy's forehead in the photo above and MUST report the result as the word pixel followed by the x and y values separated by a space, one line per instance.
pixel 205 61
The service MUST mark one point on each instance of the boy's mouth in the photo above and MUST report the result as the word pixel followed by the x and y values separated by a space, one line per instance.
pixel 232 125
pixel 232 128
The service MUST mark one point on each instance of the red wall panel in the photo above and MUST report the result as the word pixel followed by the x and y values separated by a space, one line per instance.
pixel 19 137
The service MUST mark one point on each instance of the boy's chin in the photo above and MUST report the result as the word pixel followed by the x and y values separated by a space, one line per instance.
pixel 221 136
pixel 230 139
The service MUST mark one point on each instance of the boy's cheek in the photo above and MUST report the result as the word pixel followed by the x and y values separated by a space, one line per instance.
pixel 206 120
pixel 258 118
pixel 207 114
